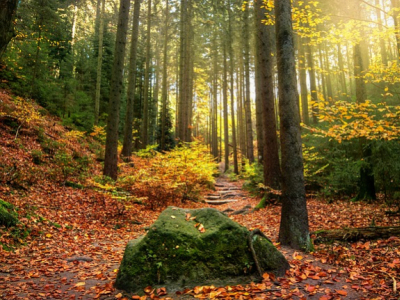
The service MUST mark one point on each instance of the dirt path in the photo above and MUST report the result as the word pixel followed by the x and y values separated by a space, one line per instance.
pixel 86 269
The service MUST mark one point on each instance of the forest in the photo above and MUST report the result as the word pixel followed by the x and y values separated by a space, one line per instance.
pixel 282 115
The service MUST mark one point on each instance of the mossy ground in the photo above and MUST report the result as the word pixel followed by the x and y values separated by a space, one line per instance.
pixel 8 215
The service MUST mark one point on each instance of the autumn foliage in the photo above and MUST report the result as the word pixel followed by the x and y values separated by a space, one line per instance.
pixel 170 178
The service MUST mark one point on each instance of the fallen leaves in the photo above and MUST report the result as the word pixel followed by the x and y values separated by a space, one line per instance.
pixel 69 222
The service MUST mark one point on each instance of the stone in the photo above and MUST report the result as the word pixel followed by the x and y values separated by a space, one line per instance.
pixel 187 248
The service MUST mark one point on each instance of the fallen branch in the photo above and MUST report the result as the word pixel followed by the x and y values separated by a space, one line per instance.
pixel 355 234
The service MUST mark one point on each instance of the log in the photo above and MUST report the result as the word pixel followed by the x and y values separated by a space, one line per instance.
pixel 355 234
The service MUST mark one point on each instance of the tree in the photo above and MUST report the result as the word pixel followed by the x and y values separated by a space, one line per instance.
pixel 164 96
pixel 128 132
pixel 145 121
pixel 111 153
pixel 7 12
pixel 231 70
pixel 99 63
pixel 264 36
pixel 293 229
pixel 247 104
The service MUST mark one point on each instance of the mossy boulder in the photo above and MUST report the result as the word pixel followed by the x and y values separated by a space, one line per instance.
pixel 8 215
pixel 176 253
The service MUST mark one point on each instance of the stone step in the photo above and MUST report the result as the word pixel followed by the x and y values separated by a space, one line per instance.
pixel 219 202
pixel 213 197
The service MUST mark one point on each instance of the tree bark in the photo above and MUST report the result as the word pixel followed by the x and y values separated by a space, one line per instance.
pixel 303 82
pixel 7 13
pixel 231 59
pixel 164 92
pixel 99 63
pixel 313 83
pixel 356 234
pixel 145 121
pixel 128 132
pixel 272 170
pixel 293 230
pixel 225 105
pixel 247 100
pixel 111 153
pixel 384 56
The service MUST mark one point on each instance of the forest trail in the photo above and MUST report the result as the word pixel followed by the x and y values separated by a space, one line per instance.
pixel 61 269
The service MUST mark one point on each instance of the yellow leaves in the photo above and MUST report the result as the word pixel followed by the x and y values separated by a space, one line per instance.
pixel 358 120
pixel 80 284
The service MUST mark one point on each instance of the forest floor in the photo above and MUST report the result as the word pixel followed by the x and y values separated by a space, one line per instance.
pixel 70 240
pixel 82 262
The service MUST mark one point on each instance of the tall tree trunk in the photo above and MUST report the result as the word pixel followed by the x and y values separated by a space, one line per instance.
pixel 367 181
pixel 303 82
pixel 128 132
pixel 395 7
pixel 328 75
pixel 384 56
pixel 272 171
pixel 99 63
pixel 145 121
pixel 322 73
pixel 164 92
pixel 225 105
pixel 7 13
pixel 247 100
pixel 111 154
pixel 231 70
pixel 293 230
pixel 313 83
pixel 341 71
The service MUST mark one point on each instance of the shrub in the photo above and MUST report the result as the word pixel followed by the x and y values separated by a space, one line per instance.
pixel 253 175
pixel 37 156
pixel 171 177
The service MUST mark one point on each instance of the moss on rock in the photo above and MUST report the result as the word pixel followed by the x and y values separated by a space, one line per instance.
pixel 174 253
pixel 8 216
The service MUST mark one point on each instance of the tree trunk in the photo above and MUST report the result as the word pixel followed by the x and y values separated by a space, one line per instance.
pixel 367 181
pixel 128 133
pixel 395 7
pixel 225 105
pixel 231 59
pixel 313 83
pixel 99 63
pixel 356 234
pixel 384 56
pixel 145 121
pixel 341 71
pixel 111 153
pixel 247 100
pixel 7 13
pixel 303 82
pixel 293 229
pixel 164 96
pixel 272 171
pixel 328 75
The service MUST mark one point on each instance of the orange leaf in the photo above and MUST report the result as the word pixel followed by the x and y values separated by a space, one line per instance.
pixel 341 292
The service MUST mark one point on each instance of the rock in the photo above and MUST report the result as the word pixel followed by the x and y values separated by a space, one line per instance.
pixel 8 215
pixel 176 254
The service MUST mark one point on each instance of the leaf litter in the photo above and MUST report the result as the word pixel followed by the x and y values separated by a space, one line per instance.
pixel 90 226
